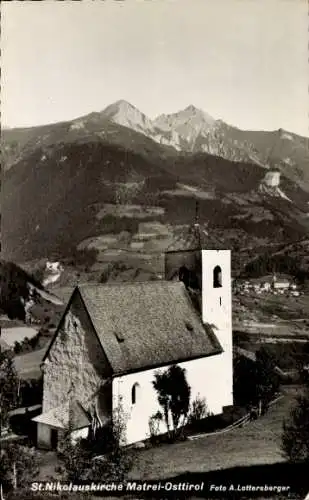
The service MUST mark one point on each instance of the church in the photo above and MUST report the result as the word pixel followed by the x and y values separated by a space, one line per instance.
pixel 113 338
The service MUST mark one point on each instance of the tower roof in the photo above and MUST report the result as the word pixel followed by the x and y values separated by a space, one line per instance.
pixel 195 236
pixel 190 237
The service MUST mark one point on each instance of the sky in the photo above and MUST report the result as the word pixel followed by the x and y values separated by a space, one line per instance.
pixel 242 61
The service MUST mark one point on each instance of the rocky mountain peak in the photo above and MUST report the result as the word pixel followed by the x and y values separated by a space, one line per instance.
pixel 189 115
pixel 124 113
pixel 192 109
pixel 120 105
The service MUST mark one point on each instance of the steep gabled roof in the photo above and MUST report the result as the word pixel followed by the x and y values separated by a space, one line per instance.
pixel 143 325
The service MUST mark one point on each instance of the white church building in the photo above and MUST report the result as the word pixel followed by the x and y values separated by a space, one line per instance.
pixel 113 338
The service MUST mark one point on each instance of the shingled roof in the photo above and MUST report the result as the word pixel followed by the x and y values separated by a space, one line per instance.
pixel 143 325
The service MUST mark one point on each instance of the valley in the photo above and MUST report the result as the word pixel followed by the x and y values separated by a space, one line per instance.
pixel 95 180
pixel 104 196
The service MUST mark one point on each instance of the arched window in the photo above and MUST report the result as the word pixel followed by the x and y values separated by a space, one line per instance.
pixel 134 393
pixel 217 277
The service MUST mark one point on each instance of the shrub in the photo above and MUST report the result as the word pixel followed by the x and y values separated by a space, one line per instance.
pixel 17 347
pixel 295 437
pixel 18 466
pixel 198 410
pixel 154 425
pixel 100 457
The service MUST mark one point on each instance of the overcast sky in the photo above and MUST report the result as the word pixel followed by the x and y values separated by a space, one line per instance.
pixel 244 61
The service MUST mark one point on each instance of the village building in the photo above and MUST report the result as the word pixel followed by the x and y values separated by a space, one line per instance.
pixel 113 338
pixel 265 286
pixel 280 283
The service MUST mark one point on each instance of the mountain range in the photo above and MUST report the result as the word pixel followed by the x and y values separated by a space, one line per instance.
pixel 190 130
pixel 116 181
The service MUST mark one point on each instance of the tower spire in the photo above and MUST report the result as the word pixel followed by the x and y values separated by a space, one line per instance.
pixel 196 227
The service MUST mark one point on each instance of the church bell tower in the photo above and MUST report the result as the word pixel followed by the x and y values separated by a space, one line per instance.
pixel 206 273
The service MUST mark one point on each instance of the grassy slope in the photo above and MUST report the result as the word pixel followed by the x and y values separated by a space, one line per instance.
pixel 256 443
pixel 280 309
pixel 28 365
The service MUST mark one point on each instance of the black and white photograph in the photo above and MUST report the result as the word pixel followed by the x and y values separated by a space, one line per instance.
pixel 154 271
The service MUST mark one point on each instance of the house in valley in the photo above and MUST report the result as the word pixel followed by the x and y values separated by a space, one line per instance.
pixel 281 283
pixel 113 338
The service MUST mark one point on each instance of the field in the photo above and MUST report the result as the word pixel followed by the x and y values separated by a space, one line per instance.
pixel 256 443
pixel 28 365
pixel 17 334
pixel 272 316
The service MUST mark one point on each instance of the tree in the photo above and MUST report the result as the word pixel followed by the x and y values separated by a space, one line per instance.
pixel 75 458
pixel 9 388
pixel 18 466
pixel 102 456
pixel 14 290
pixel 255 381
pixel 174 394
pixel 244 381
pixel 17 347
pixel 295 436
pixel 266 378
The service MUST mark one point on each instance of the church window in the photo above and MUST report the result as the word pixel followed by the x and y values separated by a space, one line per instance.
pixel 134 393
pixel 217 277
